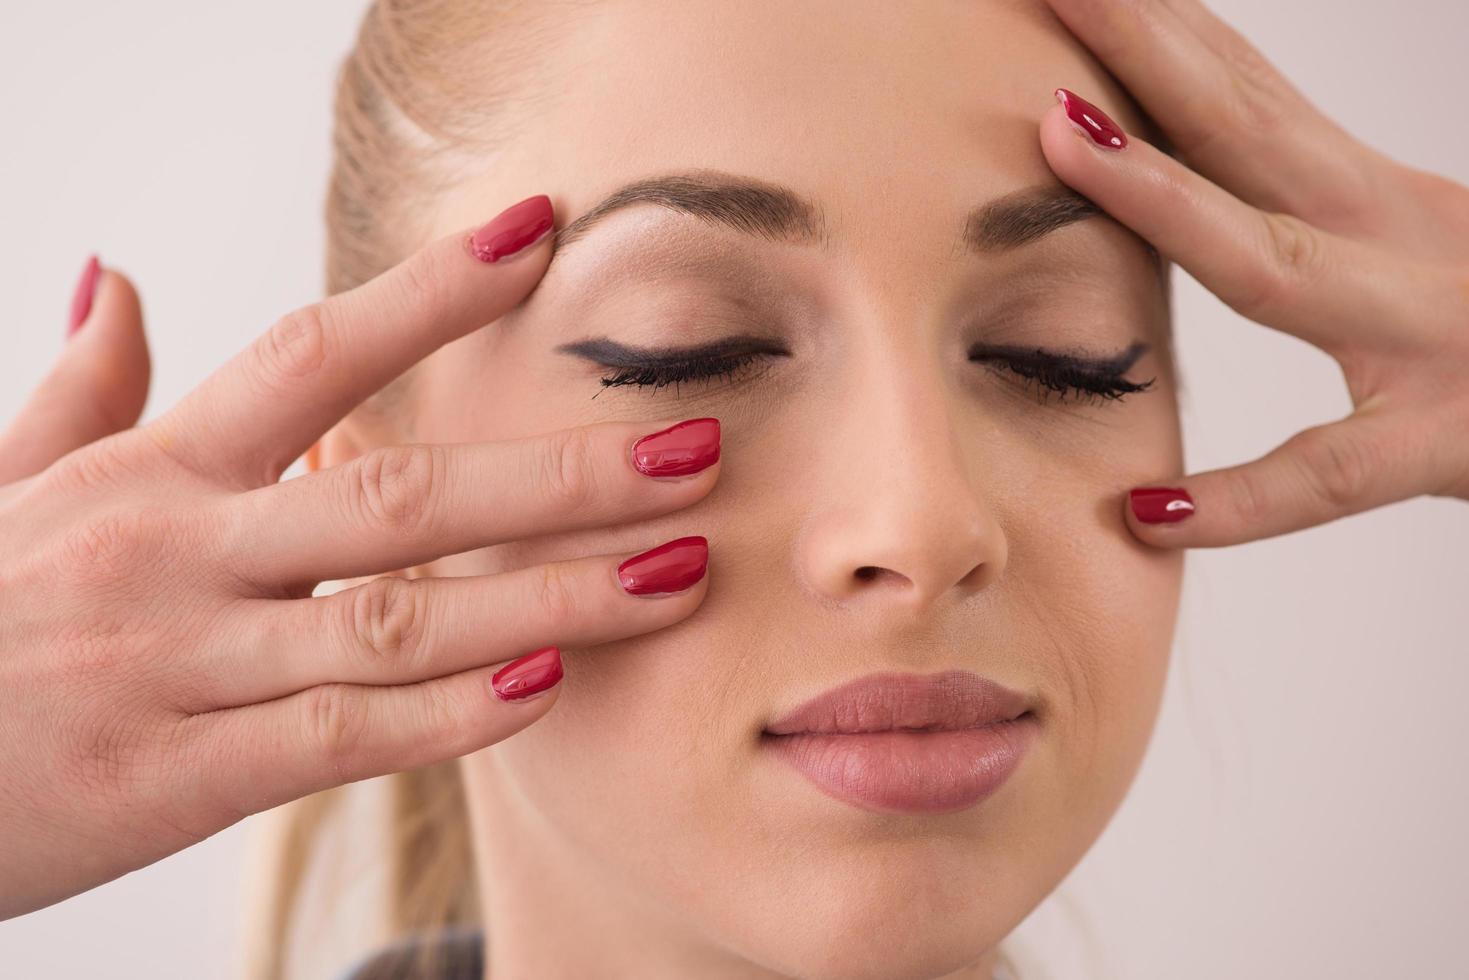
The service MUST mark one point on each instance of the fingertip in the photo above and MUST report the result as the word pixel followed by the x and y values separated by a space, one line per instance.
pixel 490 703
pixel 514 232
pixel 534 676
pixel 1063 145
pixel 83 294
pixel 1160 515
pixel 114 345
pixel 680 451
pixel 1091 121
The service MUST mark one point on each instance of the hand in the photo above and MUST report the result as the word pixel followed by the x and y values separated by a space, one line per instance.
pixel 1298 226
pixel 166 669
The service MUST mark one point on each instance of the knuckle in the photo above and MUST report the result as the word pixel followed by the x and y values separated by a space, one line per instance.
pixel 1292 253
pixel 113 546
pixel 294 349
pixel 334 725
pixel 557 596
pixel 116 653
pixel 395 486
pixel 1338 469
pixel 1247 490
pixel 95 468
pixel 423 281
pixel 568 469
pixel 203 747
pixel 1258 99
pixel 99 653
pixel 441 719
pixel 1435 193
pixel 387 617
pixel 110 753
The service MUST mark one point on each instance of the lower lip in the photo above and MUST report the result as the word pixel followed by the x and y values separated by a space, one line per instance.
pixel 909 771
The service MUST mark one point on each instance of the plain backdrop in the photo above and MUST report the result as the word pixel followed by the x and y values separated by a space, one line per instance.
pixel 1301 810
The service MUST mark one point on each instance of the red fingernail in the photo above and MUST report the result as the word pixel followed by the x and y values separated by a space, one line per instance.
pixel 670 567
pixel 1091 120
pixel 1161 505
pixel 81 298
pixel 532 674
pixel 515 228
pixel 678 450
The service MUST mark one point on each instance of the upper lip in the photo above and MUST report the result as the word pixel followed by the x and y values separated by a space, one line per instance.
pixel 946 701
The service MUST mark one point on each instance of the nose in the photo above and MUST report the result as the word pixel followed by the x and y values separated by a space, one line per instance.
pixel 897 517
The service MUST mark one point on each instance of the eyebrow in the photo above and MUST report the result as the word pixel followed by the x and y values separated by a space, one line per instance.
pixel 779 214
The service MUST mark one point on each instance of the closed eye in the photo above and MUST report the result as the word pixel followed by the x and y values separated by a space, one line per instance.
pixel 1084 378
pixel 657 367
pixel 1056 372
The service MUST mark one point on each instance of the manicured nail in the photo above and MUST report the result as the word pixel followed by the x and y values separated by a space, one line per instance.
pixel 529 676
pixel 514 229
pixel 678 450
pixel 670 567
pixel 1091 120
pixel 1160 505
pixel 81 298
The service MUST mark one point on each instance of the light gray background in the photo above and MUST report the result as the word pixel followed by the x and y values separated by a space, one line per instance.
pixel 1301 810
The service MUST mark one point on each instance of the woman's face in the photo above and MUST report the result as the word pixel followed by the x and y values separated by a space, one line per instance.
pixel 885 502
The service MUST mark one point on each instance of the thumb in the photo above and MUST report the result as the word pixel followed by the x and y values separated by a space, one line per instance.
pixel 96 388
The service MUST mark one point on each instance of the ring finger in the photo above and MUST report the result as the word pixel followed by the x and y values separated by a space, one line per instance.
pixel 398 631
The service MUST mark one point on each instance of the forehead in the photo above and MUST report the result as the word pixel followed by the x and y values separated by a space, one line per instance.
pixel 882 112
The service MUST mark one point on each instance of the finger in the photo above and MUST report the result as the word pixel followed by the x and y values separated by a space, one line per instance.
pixel 247 422
pixel 400 506
pixel 1317 475
pixel 326 736
pixel 1230 113
pixel 394 630
pixel 98 386
pixel 1272 268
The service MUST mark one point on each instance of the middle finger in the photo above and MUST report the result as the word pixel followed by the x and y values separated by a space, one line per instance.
pixel 401 506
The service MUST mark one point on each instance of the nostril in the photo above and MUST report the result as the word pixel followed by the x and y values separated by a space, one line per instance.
pixel 867 572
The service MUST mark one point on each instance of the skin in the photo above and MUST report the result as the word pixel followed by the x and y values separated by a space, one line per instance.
pixel 169 671
pixel 642 816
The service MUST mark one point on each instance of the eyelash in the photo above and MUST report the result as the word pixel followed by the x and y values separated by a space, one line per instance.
pixel 1050 373
pixel 1045 373
pixel 658 375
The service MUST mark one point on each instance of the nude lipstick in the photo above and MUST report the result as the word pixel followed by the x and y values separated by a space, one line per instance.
pixel 908 743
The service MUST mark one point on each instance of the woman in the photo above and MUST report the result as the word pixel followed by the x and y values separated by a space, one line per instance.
pixel 937 350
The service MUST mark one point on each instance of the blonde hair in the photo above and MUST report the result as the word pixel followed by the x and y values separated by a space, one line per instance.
pixel 428 86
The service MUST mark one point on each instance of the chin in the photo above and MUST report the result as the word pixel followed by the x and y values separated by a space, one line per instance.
pixel 905 945
pixel 925 908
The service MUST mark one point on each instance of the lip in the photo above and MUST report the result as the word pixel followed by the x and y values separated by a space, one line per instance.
pixel 950 700
pixel 908 743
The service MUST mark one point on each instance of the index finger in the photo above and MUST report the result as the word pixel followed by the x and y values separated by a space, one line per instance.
pixel 1336 293
pixel 1228 111
pixel 255 415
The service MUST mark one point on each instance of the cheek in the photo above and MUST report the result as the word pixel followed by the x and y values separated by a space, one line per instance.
pixel 1101 622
